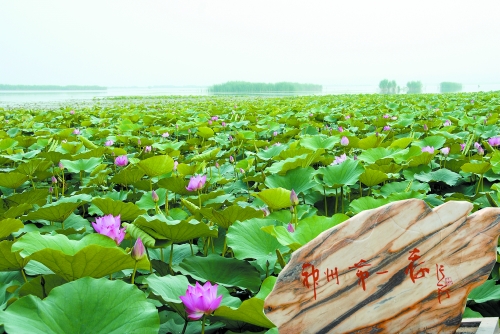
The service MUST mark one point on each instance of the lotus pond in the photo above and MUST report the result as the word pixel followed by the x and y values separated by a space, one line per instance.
pixel 218 190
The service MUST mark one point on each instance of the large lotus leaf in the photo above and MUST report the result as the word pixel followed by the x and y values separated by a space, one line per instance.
pixel 485 292
pixel 41 286
pixel 372 177
pixel 7 143
pixel 228 216
pixel 175 184
pixel 345 174
pixel 224 271
pixel 8 226
pixel 157 165
pixel 129 175
pixel 397 187
pixel 30 167
pixel 366 203
pixel 127 211
pixel 54 156
pixel 85 306
pixel 372 155
pixel 319 141
pixel 207 155
pixel 251 311
pixel 12 180
pixel 476 168
pixel 168 287
pixel 33 196
pixel 10 260
pixel 440 175
pixel 94 255
pixel 248 241
pixel 174 230
pixel 205 132
pixel 401 143
pixel 57 212
pixel 86 165
pixel 424 158
pixel 299 179
pixel 276 198
pixel 96 152
pixel 21 156
pixel 433 141
pixel 369 142
pixel 271 152
pixel 146 202
pixel 307 229
pixel 16 211
pixel 266 287
pixel 303 160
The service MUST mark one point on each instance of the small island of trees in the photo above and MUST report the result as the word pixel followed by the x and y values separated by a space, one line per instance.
pixel 260 88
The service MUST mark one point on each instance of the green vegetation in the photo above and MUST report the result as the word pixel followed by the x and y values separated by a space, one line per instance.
pixel 414 87
pixel 63 169
pixel 257 88
pixel 50 87
pixel 450 87
pixel 388 87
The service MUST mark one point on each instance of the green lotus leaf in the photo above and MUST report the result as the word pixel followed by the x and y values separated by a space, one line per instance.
pixel 397 187
pixel 146 202
pixel 372 155
pixel 33 196
pixel 248 241
pixel 54 156
pixel 127 125
pixel 96 152
pixel 207 155
pixel 372 177
pixel 485 292
pixel 228 216
pixel 401 143
pixel 94 255
pixel 127 211
pixel 168 287
pixel 21 156
pixel 369 142
pixel 299 179
pixel 12 180
pixel 424 158
pixel 434 141
pixel 8 226
pixel 17 211
pixel 304 160
pixel 366 203
pixel 36 288
pixel 86 165
pixel 266 287
pixel 345 174
pixel 271 152
pixel 128 175
pixel 184 169
pixel 205 132
pixel 7 143
pixel 225 271
pixel 469 313
pixel 175 184
pixel 30 167
pixel 250 311
pixel 11 260
pixel 175 230
pixel 276 198
pixel 440 175
pixel 72 147
pixel 307 229
pixel 157 165
pixel 476 168
pixel 169 146
pixel 57 212
pixel 84 306
pixel 319 141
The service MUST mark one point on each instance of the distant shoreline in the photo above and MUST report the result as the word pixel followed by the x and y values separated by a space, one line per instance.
pixel 49 87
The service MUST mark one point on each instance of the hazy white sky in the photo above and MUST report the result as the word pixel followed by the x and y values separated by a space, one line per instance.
pixel 201 42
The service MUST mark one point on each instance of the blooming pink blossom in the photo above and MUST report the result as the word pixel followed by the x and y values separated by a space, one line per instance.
pixel 386 116
pixel 138 251
pixel 109 143
pixel 76 131
pixel 121 160
pixel 447 123
pixel 344 141
pixel 147 149
pixel 462 146
pixel 223 124
pixel 387 128
pixel 445 150
pixel 72 112
pixel 110 226
pixel 201 300
pixel 196 182
pixel 428 149
pixel 215 118
pixel 339 160
pixel 340 129
pixel 494 141
pixel 165 135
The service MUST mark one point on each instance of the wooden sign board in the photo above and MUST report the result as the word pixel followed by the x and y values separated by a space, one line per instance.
pixel 400 268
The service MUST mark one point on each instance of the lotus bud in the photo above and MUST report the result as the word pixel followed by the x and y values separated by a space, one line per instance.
pixel 344 141
pixel 266 211
pixel 138 251
pixel 231 159
pixel 445 150
pixel 72 112
pixel 293 198
pixel 154 196
pixel 290 228
pixel 176 163
pixel 121 160
pixel 54 180
pixel 426 127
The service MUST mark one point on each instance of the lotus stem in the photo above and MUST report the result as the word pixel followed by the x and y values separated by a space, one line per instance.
pixel 161 255
pixel 185 326
pixel 171 258
pixel 24 275
pixel 203 324
pixel 166 203
pixel 133 273
pixel 326 204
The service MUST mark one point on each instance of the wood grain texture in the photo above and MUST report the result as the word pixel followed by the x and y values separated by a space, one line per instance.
pixel 420 265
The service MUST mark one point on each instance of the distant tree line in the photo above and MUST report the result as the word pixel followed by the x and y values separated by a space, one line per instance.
pixel 50 87
pixel 388 87
pixel 414 87
pixel 256 87
pixel 450 87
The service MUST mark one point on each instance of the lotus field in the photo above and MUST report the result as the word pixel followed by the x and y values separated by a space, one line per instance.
pixel 175 215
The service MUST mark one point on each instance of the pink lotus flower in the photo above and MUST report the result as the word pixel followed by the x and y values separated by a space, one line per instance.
pixel 290 228
pixel 426 127
pixel 344 141
pixel 223 124
pixel 494 141
pixel 275 133
pixel 201 300
pixel 165 135
pixel 231 159
pixel 110 226
pixel 109 143
pixel 386 116
pixel 72 112
pixel 76 131
pixel 121 160
pixel 54 180
pixel 176 163
pixel 480 150
pixel 445 150
pixel 462 146
pixel 347 116
pixel 428 149
pixel 147 149
pixel 339 160
pixel 209 122
pixel 196 182
pixel 447 123
pixel 477 145
pixel 138 251
pixel 155 196
pixel 215 118
pixel 266 211
pixel 340 129
pixel 387 128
